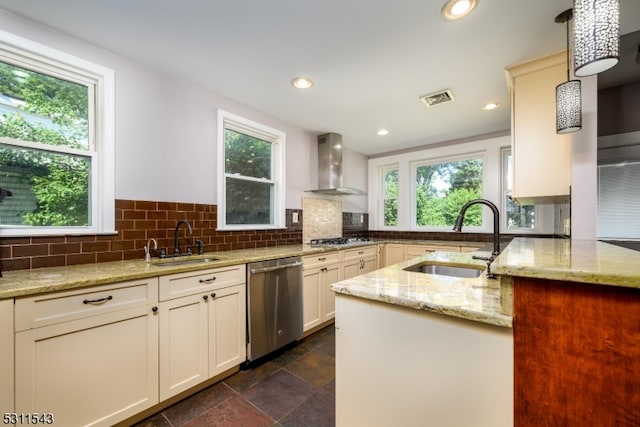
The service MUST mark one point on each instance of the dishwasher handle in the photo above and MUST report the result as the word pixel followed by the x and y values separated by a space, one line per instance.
pixel 277 267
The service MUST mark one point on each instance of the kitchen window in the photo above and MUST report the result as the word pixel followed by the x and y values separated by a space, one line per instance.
pixel 390 195
pixel 442 187
pixel 56 142
pixel 517 217
pixel 251 192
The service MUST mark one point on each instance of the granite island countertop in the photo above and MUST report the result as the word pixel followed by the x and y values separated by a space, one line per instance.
pixel 475 299
pixel 582 261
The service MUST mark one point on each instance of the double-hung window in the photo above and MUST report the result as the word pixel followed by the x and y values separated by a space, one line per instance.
pixel 56 142
pixel 251 157
pixel 390 195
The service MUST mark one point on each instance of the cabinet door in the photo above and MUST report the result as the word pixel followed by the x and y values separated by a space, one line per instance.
pixel 95 371
pixel 227 328
pixel 368 265
pixel 311 302
pixel 351 268
pixel 535 142
pixel 183 344
pixel 331 275
pixel 6 355
pixel 393 254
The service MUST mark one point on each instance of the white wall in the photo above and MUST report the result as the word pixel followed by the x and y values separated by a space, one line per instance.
pixel 166 130
pixel 584 166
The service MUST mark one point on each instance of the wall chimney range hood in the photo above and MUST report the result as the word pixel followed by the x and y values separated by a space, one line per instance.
pixel 330 167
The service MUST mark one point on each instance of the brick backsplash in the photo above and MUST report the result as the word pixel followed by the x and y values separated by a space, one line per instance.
pixel 136 222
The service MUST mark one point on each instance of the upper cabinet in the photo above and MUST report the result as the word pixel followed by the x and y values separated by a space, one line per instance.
pixel 541 167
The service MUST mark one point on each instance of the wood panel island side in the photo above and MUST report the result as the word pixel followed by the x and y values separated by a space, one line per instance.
pixel 576 328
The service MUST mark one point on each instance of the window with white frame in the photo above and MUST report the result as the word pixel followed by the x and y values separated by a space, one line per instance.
pixel 390 195
pixel 251 157
pixel 443 186
pixel 56 142
pixel 517 217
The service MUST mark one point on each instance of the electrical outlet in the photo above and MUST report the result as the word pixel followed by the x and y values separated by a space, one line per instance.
pixel 294 217
pixel 361 218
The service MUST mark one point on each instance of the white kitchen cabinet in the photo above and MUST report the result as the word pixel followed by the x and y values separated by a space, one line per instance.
pixel 412 251
pixel 319 272
pixel 358 261
pixel 380 256
pixel 202 334
pixel 541 158
pixel 393 253
pixel 184 344
pixel 6 355
pixel 90 356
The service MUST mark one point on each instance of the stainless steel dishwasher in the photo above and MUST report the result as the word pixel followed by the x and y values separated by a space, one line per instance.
pixel 274 305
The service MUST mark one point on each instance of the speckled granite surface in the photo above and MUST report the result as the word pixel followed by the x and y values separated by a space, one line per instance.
pixel 476 299
pixel 583 261
pixel 29 282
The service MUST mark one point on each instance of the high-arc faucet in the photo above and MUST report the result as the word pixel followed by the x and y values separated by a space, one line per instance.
pixel 176 249
pixel 496 230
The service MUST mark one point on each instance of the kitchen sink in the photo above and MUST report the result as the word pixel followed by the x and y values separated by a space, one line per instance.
pixel 446 270
pixel 183 261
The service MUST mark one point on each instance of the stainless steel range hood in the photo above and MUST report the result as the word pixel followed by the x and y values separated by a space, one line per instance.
pixel 330 167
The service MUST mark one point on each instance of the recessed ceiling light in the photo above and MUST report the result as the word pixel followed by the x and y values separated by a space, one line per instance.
pixel 302 83
pixel 456 9
pixel 491 106
pixel 383 132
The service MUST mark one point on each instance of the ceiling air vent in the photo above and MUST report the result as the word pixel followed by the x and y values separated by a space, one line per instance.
pixel 437 98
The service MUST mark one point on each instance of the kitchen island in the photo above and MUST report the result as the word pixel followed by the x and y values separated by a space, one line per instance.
pixel 556 341
pixel 418 349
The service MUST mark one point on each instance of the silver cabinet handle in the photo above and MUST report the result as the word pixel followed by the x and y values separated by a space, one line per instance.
pixel 208 280
pixel 98 301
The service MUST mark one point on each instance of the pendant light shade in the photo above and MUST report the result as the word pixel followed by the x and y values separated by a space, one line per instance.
pixel 596 36
pixel 569 93
pixel 568 107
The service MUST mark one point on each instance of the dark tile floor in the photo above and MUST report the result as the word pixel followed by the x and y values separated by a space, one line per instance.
pixel 295 388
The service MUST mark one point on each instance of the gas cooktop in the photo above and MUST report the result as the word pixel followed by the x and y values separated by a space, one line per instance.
pixel 340 241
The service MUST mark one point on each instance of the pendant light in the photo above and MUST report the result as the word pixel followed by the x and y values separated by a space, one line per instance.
pixel 568 94
pixel 596 34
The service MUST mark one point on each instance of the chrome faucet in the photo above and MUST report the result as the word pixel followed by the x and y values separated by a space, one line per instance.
pixel 176 250
pixel 496 230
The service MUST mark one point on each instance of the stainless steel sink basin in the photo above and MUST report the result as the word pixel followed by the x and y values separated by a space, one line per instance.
pixel 446 270
pixel 183 261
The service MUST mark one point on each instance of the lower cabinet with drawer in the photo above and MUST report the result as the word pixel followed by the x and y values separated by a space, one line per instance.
pixel 88 357
pixel 358 261
pixel 202 331
pixel 319 272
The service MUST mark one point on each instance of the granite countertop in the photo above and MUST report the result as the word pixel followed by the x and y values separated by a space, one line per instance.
pixel 476 299
pixel 29 282
pixel 583 261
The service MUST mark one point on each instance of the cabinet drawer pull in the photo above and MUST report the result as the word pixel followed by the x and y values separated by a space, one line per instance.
pixel 429 250
pixel 208 280
pixel 154 309
pixel 322 259
pixel 97 301
pixel 213 295
pixel 360 252
pixel 205 297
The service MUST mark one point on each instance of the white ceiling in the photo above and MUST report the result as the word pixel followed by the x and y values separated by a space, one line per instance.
pixel 370 60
